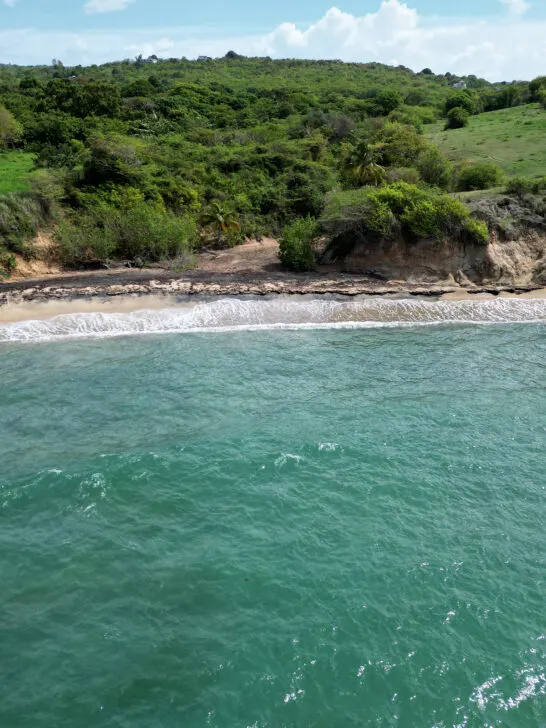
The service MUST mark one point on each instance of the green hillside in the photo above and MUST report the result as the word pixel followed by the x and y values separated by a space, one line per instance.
pixel 15 168
pixel 143 160
pixel 514 139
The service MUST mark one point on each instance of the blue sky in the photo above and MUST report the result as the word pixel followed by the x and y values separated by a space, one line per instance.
pixel 70 14
pixel 498 39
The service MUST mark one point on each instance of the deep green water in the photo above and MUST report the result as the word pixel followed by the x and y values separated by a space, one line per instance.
pixel 275 529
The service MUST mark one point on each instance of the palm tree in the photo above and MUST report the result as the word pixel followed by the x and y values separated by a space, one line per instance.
pixel 221 219
pixel 362 167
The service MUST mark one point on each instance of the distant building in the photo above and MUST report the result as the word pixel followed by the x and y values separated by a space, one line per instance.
pixel 204 58
pixel 459 84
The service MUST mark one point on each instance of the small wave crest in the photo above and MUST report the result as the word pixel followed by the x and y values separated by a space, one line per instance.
pixel 282 313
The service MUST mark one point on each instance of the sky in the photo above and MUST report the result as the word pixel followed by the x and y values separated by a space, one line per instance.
pixel 494 39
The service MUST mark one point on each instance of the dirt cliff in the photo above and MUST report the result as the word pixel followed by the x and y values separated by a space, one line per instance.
pixel 508 262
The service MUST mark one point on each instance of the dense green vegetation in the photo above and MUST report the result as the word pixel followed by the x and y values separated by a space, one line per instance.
pixel 399 210
pixel 142 160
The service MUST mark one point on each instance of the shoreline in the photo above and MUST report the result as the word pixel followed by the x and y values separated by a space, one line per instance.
pixel 129 291
pixel 161 283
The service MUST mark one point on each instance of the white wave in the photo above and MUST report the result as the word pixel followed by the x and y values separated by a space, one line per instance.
pixel 280 313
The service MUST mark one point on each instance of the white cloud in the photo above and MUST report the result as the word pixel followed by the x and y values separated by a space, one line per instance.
pixel 501 48
pixel 497 49
pixel 517 7
pixel 106 6
pixel 9 3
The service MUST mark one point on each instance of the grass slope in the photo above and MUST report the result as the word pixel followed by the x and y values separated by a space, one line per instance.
pixel 515 139
pixel 15 168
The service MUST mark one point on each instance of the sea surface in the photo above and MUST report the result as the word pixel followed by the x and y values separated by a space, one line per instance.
pixel 275 514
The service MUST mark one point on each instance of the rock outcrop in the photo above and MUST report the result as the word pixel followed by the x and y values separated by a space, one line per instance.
pixel 514 262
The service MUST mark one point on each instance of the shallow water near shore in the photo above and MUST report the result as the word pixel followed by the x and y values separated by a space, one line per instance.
pixel 322 525
pixel 132 316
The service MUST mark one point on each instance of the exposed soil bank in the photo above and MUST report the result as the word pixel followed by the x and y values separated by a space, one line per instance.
pixel 253 269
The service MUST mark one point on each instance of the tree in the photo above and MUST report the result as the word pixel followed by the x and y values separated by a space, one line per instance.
pixel 95 98
pixel 536 86
pixel 457 118
pixel 29 82
pixel 434 168
pixel 362 168
pixel 462 100
pixel 221 220
pixel 399 145
pixel 382 102
pixel 11 131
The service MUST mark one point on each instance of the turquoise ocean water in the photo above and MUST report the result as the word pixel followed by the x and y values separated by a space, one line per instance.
pixel 337 523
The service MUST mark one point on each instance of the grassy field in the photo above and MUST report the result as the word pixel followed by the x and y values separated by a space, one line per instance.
pixel 15 168
pixel 515 139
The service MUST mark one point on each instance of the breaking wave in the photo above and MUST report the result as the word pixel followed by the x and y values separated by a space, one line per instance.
pixel 280 313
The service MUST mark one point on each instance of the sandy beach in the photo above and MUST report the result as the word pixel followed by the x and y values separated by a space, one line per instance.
pixel 251 269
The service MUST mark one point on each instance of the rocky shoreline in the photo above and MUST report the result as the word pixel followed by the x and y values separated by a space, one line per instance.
pixel 195 283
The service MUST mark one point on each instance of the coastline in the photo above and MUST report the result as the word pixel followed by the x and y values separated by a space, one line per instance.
pixel 127 282
pixel 128 291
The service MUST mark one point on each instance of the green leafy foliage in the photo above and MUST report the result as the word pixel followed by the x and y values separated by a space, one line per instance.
pixel 460 100
pixel 295 249
pixel 400 209
pixel 223 221
pixel 11 132
pixel 126 227
pixel 8 263
pixel 434 168
pixel 457 118
pixel 20 218
pixel 521 187
pixel 537 87
pixel 139 160
pixel 480 176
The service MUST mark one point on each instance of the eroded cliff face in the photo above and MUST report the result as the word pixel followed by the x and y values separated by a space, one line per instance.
pixel 515 262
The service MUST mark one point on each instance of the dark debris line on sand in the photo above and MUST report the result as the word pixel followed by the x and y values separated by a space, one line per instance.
pixel 145 282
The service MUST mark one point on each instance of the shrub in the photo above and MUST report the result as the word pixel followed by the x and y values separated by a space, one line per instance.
pixel 434 168
pixel 85 242
pixel 480 176
pixel 132 230
pixel 403 174
pixel 8 263
pixel 536 87
pixel 457 118
pixel 148 232
pixel 476 231
pixel 20 218
pixel 399 145
pixel 295 249
pixel 112 160
pixel 522 186
pixel 11 132
pixel 356 216
pixel 460 100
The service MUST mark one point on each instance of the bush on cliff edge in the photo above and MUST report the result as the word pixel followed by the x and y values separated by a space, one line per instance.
pixel 375 214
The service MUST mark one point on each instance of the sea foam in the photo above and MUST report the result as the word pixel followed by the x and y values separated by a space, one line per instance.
pixel 232 314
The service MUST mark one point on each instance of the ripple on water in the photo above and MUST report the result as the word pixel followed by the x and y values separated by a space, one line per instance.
pixel 275 529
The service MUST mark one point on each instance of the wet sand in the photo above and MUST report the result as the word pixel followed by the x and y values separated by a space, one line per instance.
pixel 41 307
